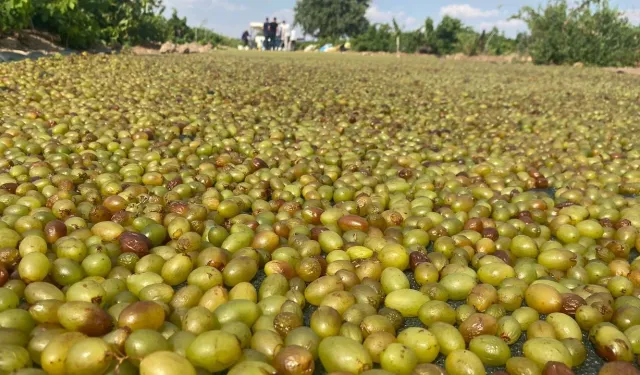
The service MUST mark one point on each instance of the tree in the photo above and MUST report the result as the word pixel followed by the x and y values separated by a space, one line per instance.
pixel 377 38
pixel 496 43
pixel 482 41
pixel 397 33
pixel 14 14
pixel 467 42
pixel 446 35
pixel 332 18
pixel 69 19
pixel 592 33
pixel 429 36
pixel 522 43
pixel 127 18
pixel 412 41
pixel 177 26
pixel 83 24
pixel 428 26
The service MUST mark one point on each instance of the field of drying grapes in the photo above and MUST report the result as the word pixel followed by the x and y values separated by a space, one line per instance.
pixel 298 214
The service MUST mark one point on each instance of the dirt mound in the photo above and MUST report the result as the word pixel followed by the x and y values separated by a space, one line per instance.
pixel 27 41
pixel 185 48
pixel 635 71
pixel 488 58
pixel 30 44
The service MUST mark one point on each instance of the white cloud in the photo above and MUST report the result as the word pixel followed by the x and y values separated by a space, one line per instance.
pixel 227 5
pixel 377 15
pixel 508 26
pixel 633 15
pixel 466 11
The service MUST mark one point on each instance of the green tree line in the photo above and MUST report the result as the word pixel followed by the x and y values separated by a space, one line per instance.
pixel 85 24
pixel 592 32
pixel 448 37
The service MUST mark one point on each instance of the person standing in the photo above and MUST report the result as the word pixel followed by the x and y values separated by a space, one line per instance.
pixel 292 39
pixel 274 29
pixel 245 38
pixel 286 35
pixel 280 36
pixel 266 30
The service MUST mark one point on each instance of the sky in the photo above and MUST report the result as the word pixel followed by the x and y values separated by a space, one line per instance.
pixel 232 17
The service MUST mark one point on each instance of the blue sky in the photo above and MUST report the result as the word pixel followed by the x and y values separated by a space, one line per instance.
pixel 231 17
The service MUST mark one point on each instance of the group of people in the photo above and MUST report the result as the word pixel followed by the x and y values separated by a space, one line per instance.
pixel 276 35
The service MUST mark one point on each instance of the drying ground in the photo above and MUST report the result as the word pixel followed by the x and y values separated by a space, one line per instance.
pixel 489 203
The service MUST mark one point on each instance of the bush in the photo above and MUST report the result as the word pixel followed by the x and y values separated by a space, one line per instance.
pixel 592 34
pixel 468 43
pixel 377 38
pixel 382 38
pixel 83 24
pixel 496 43
pixel 75 25
pixel 447 35
pixel 412 42
pixel 14 15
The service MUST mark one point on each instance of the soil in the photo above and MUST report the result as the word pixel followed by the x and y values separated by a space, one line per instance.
pixel 29 44
pixel 33 44
pixel 625 70
pixel 28 41
pixel 511 58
